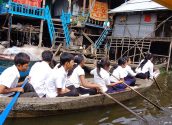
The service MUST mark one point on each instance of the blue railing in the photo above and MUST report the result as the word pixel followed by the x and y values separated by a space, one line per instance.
pixel 25 10
pixel 102 37
pixel 29 11
pixel 65 18
pixel 50 23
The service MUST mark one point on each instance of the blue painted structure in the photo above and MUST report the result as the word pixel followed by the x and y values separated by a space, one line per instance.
pixel 29 11
pixel 50 23
pixel 102 37
pixel 65 18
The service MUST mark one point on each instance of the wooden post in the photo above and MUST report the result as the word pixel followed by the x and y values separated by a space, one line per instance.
pixel 41 27
pixel 84 5
pixel 9 29
pixel 169 56
pixel 69 9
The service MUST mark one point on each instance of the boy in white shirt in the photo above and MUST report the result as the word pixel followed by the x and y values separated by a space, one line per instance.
pixel 77 78
pixel 10 77
pixel 56 82
pixel 39 72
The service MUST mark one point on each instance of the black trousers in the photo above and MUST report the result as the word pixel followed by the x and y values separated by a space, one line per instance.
pixel 73 92
pixel 86 91
pixel 145 75
pixel 29 91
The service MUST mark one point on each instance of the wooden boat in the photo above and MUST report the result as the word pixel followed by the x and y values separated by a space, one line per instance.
pixel 35 107
pixel 6 57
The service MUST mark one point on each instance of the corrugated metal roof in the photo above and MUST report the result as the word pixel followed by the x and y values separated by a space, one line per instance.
pixel 138 5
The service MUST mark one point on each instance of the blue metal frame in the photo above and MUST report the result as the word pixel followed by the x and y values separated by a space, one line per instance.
pixel 25 10
pixel 29 11
pixel 102 37
pixel 65 18
pixel 50 23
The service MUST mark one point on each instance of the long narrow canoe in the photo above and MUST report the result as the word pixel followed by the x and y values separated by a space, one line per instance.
pixel 35 107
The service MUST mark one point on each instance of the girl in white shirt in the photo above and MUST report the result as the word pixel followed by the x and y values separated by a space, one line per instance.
pixel 118 75
pixel 102 76
pixel 145 68
pixel 77 78
pixel 129 73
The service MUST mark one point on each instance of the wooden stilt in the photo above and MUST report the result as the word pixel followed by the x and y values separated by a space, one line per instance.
pixel 41 27
pixel 9 29
pixel 84 5
pixel 169 56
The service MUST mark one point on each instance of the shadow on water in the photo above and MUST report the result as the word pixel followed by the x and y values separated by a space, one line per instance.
pixel 116 115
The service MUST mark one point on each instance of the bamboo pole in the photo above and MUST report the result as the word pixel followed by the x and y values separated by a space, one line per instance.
pixel 84 5
pixel 9 29
pixel 41 27
pixel 169 55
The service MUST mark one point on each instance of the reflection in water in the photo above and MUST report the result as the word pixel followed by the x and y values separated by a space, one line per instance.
pixel 116 115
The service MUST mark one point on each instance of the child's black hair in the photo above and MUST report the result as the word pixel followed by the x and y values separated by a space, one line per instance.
pixel 148 56
pixel 21 59
pixel 77 59
pixel 65 57
pixel 126 58
pixel 101 64
pixel 113 68
pixel 47 56
pixel 121 61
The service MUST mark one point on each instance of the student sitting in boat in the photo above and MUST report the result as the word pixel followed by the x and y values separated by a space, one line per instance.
pixel 129 73
pixel 9 79
pixel 145 68
pixel 56 82
pixel 102 76
pixel 77 78
pixel 118 75
pixel 39 72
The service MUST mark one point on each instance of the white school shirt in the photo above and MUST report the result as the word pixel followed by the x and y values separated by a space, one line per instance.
pixel 56 67
pixel 9 78
pixel 57 79
pixel 104 80
pixel 74 78
pixel 129 71
pixel 147 67
pixel 117 74
pixel 39 72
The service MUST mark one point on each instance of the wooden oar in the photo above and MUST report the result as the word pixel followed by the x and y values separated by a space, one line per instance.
pixel 107 95
pixel 7 110
pixel 141 95
pixel 157 84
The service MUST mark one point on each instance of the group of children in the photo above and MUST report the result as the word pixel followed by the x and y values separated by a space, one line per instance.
pixel 68 77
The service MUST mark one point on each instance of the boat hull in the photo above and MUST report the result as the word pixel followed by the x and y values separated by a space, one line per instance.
pixel 36 107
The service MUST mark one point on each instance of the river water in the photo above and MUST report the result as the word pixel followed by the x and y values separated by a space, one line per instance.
pixel 115 114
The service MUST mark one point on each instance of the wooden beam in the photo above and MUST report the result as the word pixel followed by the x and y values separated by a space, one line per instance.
pixel 9 28
pixel 84 6
pixel 57 50
pixel 88 38
pixel 169 56
pixel 41 26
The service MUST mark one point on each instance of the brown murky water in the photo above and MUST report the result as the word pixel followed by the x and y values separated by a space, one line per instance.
pixel 116 115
